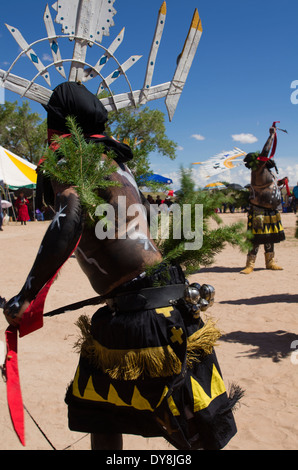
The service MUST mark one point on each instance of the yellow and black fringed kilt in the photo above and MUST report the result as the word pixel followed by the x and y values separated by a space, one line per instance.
pixel 151 373
pixel 265 225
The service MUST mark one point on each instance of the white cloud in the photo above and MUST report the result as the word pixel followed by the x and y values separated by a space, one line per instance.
pixel 245 138
pixel 291 172
pixel 198 137
pixel 175 176
pixel 180 148
pixel 47 58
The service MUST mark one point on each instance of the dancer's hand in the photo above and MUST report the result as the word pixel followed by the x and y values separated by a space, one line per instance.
pixel 272 130
pixel 14 310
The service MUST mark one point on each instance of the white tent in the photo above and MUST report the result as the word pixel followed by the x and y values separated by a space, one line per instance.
pixel 16 172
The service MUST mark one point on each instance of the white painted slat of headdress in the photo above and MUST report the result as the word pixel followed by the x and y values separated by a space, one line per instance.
pixel 120 71
pixel 125 100
pixel 93 20
pixel 19 85
pixel 99 15
pixel 30 53
pixel 67 15
pixel 88 19
pixel 48 21
pixel 88 74
pixel 190 47
pixel 154 50
pixel 76 72
pixel 184 64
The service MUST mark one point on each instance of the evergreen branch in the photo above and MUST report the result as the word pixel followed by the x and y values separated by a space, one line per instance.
pixel 81 164
pixel 214 240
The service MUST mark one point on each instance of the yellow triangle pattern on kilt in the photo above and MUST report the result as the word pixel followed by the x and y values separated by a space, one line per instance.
pixel 265 225
pixel 138 402
pixel 201 399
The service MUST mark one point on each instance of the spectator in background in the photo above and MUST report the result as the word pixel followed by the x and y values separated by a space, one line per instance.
pixel 295 200
pixel 39 215
pixel 158 200
pixel 22 208
pixel 168 201
pixel 150 199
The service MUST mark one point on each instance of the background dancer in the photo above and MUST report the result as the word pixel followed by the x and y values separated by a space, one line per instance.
pixel 264 219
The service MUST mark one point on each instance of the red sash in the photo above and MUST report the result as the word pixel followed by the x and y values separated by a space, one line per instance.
pixel 273 150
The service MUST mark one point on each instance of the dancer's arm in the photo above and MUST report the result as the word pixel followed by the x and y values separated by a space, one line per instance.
pixel 58 243
pixel 267 147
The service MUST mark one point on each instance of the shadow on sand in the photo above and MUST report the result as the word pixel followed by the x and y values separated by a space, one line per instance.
pixel 275 345
pixel 264 299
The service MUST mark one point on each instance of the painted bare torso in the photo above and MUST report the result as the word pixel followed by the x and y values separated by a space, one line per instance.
pixel 265 191
pixel 111 261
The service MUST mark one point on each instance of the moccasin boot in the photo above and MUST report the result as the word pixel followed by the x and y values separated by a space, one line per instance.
pixel 250 264
pixel 270 262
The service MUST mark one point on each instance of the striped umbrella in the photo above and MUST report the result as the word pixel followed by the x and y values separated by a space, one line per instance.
pixel 216 185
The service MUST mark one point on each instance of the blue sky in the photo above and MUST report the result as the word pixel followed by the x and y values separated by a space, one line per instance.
pixel 239 83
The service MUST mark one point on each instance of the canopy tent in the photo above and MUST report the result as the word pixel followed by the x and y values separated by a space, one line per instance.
pixel 235 186
pixel 216 185
pixel 156 179
pixel 16 172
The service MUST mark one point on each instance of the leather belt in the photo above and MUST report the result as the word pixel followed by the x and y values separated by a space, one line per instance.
pixel 147 298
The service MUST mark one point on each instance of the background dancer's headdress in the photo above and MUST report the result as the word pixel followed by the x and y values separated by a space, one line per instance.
pixel 86 22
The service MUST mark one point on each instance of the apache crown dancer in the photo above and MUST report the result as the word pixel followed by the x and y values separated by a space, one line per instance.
pixel 147 363
pixel 264 219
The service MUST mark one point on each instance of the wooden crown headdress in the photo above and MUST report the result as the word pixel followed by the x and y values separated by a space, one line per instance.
pixel 86 22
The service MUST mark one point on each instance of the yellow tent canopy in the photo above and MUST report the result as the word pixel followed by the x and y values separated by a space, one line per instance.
pixel 216 185
pixel 16 172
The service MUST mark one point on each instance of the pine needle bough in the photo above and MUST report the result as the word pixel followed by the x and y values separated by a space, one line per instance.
pixel 81 164
pixel 214 239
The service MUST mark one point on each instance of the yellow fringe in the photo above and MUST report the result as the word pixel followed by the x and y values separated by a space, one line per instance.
pixel 130 364
pixel 202 342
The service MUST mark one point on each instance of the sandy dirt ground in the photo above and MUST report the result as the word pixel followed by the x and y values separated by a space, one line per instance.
pixel 257 315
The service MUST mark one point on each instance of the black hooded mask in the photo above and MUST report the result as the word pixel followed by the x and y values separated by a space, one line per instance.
pixel 74 99
pixel 251 161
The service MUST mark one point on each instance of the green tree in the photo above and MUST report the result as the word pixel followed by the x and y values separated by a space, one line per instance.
pixel 22 131
pixel 144 131
pixel 214 239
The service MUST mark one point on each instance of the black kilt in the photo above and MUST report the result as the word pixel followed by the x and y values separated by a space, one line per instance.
pixel 142 374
